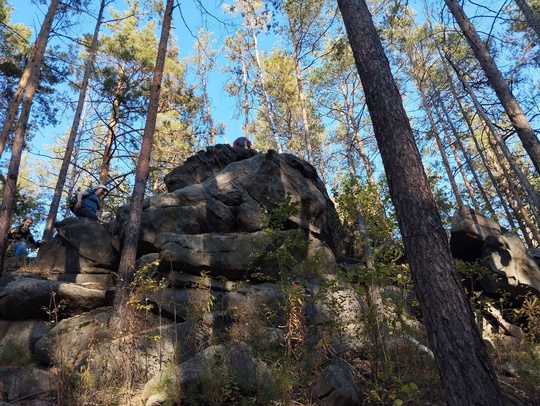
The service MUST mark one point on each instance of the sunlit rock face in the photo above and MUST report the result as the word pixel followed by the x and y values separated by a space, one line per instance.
pixel 216 225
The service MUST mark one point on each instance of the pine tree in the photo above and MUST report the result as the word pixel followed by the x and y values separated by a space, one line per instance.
pixel 466 372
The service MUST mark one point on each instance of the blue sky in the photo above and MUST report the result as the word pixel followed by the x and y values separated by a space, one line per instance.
pixel 186 22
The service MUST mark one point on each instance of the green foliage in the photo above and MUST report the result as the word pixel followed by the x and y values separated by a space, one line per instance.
pixel 397 394
pixel 29 201
pixel 143 284
pixel 355 198
pixel 530 312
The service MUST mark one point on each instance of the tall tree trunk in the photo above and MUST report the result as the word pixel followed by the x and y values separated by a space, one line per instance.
pixel 513 196
pixel 464 366
pixel 436 103
pixel 442 152
pixel 267 102
pixel 10 187
pixel 352 123
pixel 30 74
pixel 301 94
pixel 204 62
pixel 246 104
pixel 529 16
pixel 467 158
pixel 532 197
pixel 303 107
pixel 110 139
pixel 498 83
pixel 481 154
pixel 55 202
pixel 126 267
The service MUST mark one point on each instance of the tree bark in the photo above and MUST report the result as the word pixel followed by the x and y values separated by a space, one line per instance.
pixel 440 146
pixel 436 103
pixel 55 202
pixel 32 71
pixel 532 197
pixel 464 366
pixel 511 106
pixel 481 154
pixel 126 268
pixel 529 16
pixel 30 74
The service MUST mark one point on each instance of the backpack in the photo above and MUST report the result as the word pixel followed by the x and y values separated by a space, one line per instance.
pixel 73 200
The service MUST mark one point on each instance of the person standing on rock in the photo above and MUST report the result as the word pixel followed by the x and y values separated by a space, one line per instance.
pixel 20 239
pixel 89 202
pixel 242 142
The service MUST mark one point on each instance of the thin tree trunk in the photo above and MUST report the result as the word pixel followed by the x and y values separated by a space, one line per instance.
pixel 268 104
pixel 305 121
pixel 351 122
pixel 514 198
pixel 481 154
pixel 110 140
pixel 10 186
pixel 498 83
pixel 529 16
pixel 464 366
pixel 442 152
pixel 301 95
pixel 460 166
pixel 246 104
pixel 465 116
pixel 55 202
pixel 126 267
pixel 532 197
pixel 468 162
pixel 202 58
pixel 30 73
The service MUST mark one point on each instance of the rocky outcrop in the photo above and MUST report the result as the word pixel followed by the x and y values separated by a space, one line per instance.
pixel 204 165
pixel 207 240
pixel 468 233
pixel 217 286
pixel 512 268
pixel 23 298
pixel 230 204
pixel 511 271
pixel 80 247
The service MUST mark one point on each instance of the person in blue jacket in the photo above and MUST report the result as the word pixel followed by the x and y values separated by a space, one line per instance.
pixel 89 202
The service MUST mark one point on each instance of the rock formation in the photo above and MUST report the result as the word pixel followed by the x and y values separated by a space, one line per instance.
pixel 207 236
pixel 220 280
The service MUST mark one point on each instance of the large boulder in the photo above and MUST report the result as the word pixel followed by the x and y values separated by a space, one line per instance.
pixel 235 255
pixel 81 246
pixel 204 165
pixel 513 268
pixel 468 232
pixel 20 383
pixel 336 386
pixel 227 209
pixel 29 298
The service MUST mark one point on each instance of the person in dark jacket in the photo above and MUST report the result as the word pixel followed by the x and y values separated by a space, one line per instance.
pixel 89 202
pixel 20 239
pixel 242 142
